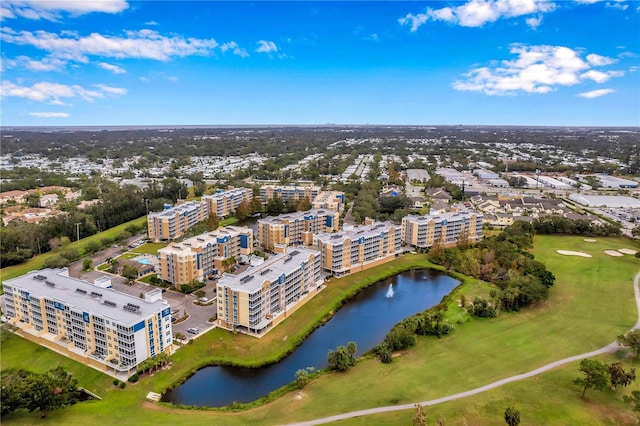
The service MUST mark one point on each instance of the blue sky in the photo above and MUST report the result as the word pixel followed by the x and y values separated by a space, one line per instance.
pixel 504 62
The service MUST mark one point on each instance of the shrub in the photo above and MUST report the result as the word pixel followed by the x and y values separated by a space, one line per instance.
pixel 56 262
pixel 122 385
pixel 134 378
pixel 384 353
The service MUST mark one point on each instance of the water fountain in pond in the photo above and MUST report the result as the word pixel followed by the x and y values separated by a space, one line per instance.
pixel 390 292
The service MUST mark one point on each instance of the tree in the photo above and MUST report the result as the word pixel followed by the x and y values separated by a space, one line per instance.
pixel 212 222
pixel 595 375
pixel 129 272
pixel 419 416
pixel 631 340
pixel 87 265
pixel 512 416
pixel 617 375
pixel 304 205
pixel 343 357
pixel 303 376
pixel 633 400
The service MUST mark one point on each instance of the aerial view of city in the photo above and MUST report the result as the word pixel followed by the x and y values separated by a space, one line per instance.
pixel 320 212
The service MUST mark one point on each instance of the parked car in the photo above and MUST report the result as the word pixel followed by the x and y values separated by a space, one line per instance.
pixel 203 299
pixel 193 330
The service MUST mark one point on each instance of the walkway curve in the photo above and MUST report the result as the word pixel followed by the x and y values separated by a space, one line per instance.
pixel 612 347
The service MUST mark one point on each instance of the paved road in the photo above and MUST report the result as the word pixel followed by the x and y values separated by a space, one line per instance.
pixel 612 347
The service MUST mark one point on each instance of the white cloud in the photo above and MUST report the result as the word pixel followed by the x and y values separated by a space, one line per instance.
pixel 534 22
pixel 266 47
pixel 476 13
pixel 599 60
pixel 111 90
pixel 536 69
pixel 54 93
pixel 147 44
pixel 46 64
pixel 596 93
pixel 50 114
pixel 113 68
pixel 235 49
pixel 151 23
pixel 618 5
pixel 52 9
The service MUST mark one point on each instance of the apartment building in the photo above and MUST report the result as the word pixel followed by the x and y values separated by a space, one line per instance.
pixel 224 203
pixel 173 222
pixel 286 193
pixel 358 248
pixel 296 228
pixel 259 298
pixel 204 255
pixel 103 328
pixel 332 200
pixel 445 229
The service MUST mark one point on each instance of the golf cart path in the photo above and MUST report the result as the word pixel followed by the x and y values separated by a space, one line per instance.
pixel 612 347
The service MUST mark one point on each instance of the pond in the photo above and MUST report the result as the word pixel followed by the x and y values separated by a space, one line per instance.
pixel 365 319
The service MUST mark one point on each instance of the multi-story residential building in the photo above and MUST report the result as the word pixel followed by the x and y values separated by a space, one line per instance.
pixel 103 328
pixel 358 248
pixel 286 193
pixel 446 229
pixel 332 200
pixel 224 203
pixel 296 228
pixel 204 255
pixel 259 298
pixel 173 222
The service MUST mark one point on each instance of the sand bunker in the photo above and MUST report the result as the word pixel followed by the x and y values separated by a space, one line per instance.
pixel 590 240
pixel 573 253
pixel 613 253
pixel 627 251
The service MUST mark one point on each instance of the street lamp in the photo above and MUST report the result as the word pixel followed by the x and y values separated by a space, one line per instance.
pixel 78 232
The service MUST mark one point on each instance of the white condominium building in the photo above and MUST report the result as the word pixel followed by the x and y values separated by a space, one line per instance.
pixel 224 203
pixel 103 328
pixel 173 222
pixel 296 228
pixel 358 248
pixel 446 229
pixel 291 192
pixel 257 299
pixel 204 255
pixel 332 200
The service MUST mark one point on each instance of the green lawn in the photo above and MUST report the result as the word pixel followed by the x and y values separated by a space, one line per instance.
pixel 149 248
pixel 37 262
pixel 590 304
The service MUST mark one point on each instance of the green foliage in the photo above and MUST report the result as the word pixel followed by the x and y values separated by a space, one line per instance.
pixel 56 262
pixel 402 336
pixel 43 392
pixel 562 225
pixel 480 307
pixel 87 265
pixel 619 377
pixel 431 323
pixel 384 353
pixel 631 340
pixel 343 357
pixel 303 376
pixel 595 375
pixel 129 272
pixel 134 378
pixel 512 416
pixel 633 400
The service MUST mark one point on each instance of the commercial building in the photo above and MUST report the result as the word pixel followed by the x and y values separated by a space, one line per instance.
pixel 358 248
pixel 257 299
pixel 224 203
pixel 296 228
pixel 332 200
pixel 173 222
pixel 286 193
pixel 103 328
pixel 204 255
pixel 445 229
pixel 606 201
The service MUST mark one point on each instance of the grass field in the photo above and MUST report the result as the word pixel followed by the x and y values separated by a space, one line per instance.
pixel 37 262
pixel 149 248
pixel 590 304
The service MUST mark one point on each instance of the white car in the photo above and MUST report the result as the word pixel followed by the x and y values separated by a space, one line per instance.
pixel 193 330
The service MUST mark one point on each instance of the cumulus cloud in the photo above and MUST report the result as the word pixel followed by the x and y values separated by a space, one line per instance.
pixel 265 46
pixel 476 13
pixel 49 114
pixel 234 48
pixel 52 9
pixel 113 68
pixel 596 93
pixel 534 22
pixel 537 69
pixel 54 93
pixel 147 44
pixel 46 64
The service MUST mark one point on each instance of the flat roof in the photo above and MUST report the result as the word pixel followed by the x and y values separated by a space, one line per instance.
pixel 86 297
pixel 252 279
pixel 614 201
pixel 292 217
pixel 207 238
pixel 185 207
pixel 228 192
pixel 355 233
pixel 440 217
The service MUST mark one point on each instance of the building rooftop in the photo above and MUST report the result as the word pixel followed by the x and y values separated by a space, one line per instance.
pixel 295 216
pixel 440 217
pixel 189 206
pixel 203 240
pixel 84 296
pixel 228 193
pixel 355 233
pixel 252 279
